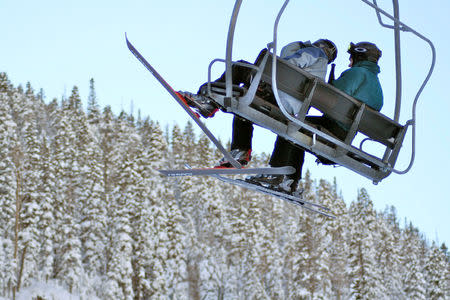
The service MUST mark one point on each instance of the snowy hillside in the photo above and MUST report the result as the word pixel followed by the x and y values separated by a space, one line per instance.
pixel 85 215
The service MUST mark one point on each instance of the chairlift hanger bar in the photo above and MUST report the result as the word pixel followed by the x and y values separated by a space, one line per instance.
pixel 398 64
pixel 228 78
pixel 400 25
pixel 228 54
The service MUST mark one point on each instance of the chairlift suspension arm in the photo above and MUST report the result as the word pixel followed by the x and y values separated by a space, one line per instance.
pixel 398 63
pixel 228 54
pixel 401 26
pixel 272 45
pixel 397 27
pixel 398 73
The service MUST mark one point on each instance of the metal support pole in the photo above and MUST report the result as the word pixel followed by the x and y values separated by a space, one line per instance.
pixel 398 63
pixel 401 26
pixel 228 54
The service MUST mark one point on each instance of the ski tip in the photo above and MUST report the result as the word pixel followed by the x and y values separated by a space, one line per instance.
pixel 290 170
pixel 163 172
pixel 128 42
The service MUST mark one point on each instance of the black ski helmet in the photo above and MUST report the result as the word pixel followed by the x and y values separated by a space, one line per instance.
pixel 364 51
pixel 328 47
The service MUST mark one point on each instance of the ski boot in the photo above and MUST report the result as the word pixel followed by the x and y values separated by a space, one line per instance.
pixel 241 156
pixel 204 106
pixel 280 183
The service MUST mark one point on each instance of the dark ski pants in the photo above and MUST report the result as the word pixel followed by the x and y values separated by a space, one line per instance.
pixel 242 134
pixel 285 153
pixel 242 129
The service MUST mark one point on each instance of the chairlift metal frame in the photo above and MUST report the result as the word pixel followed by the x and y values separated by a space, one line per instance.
pixel 295 128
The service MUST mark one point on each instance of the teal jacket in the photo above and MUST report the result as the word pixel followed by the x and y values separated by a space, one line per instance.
pixel 361 82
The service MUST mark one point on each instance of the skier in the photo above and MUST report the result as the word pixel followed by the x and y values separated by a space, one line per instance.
pixel 312 58
pixel 361 82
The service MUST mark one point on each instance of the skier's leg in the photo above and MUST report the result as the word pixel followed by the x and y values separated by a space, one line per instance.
pixel 284 154
pixel 241 142
pixel 242 134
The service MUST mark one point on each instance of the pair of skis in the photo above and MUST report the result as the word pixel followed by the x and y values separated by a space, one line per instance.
pixel 219 172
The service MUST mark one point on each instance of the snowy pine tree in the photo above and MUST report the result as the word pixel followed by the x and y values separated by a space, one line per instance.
pixel 388 253
pixel 31 197
pixel 335 242
pixel 46 222
pixel 435 274
pixel 8 190
pixel 119 268
pixel 67 245
pixel 414 285
pixel 122 202
pixel 364 274
pixel 93 109
pixel 83 207
pixel 310 264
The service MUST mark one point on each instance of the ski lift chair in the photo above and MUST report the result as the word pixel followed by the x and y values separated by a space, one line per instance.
pixel 313 92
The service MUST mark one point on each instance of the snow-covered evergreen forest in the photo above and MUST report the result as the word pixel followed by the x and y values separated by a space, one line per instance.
pixel 85 213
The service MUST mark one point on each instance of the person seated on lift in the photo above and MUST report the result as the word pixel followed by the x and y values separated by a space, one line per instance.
pixel 312 58
pixel 361 82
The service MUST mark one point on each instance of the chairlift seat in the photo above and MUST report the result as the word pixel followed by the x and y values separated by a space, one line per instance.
pixel 331 101
pixel 335 104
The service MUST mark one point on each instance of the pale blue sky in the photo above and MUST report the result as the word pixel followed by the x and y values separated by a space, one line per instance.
pixel 58 44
